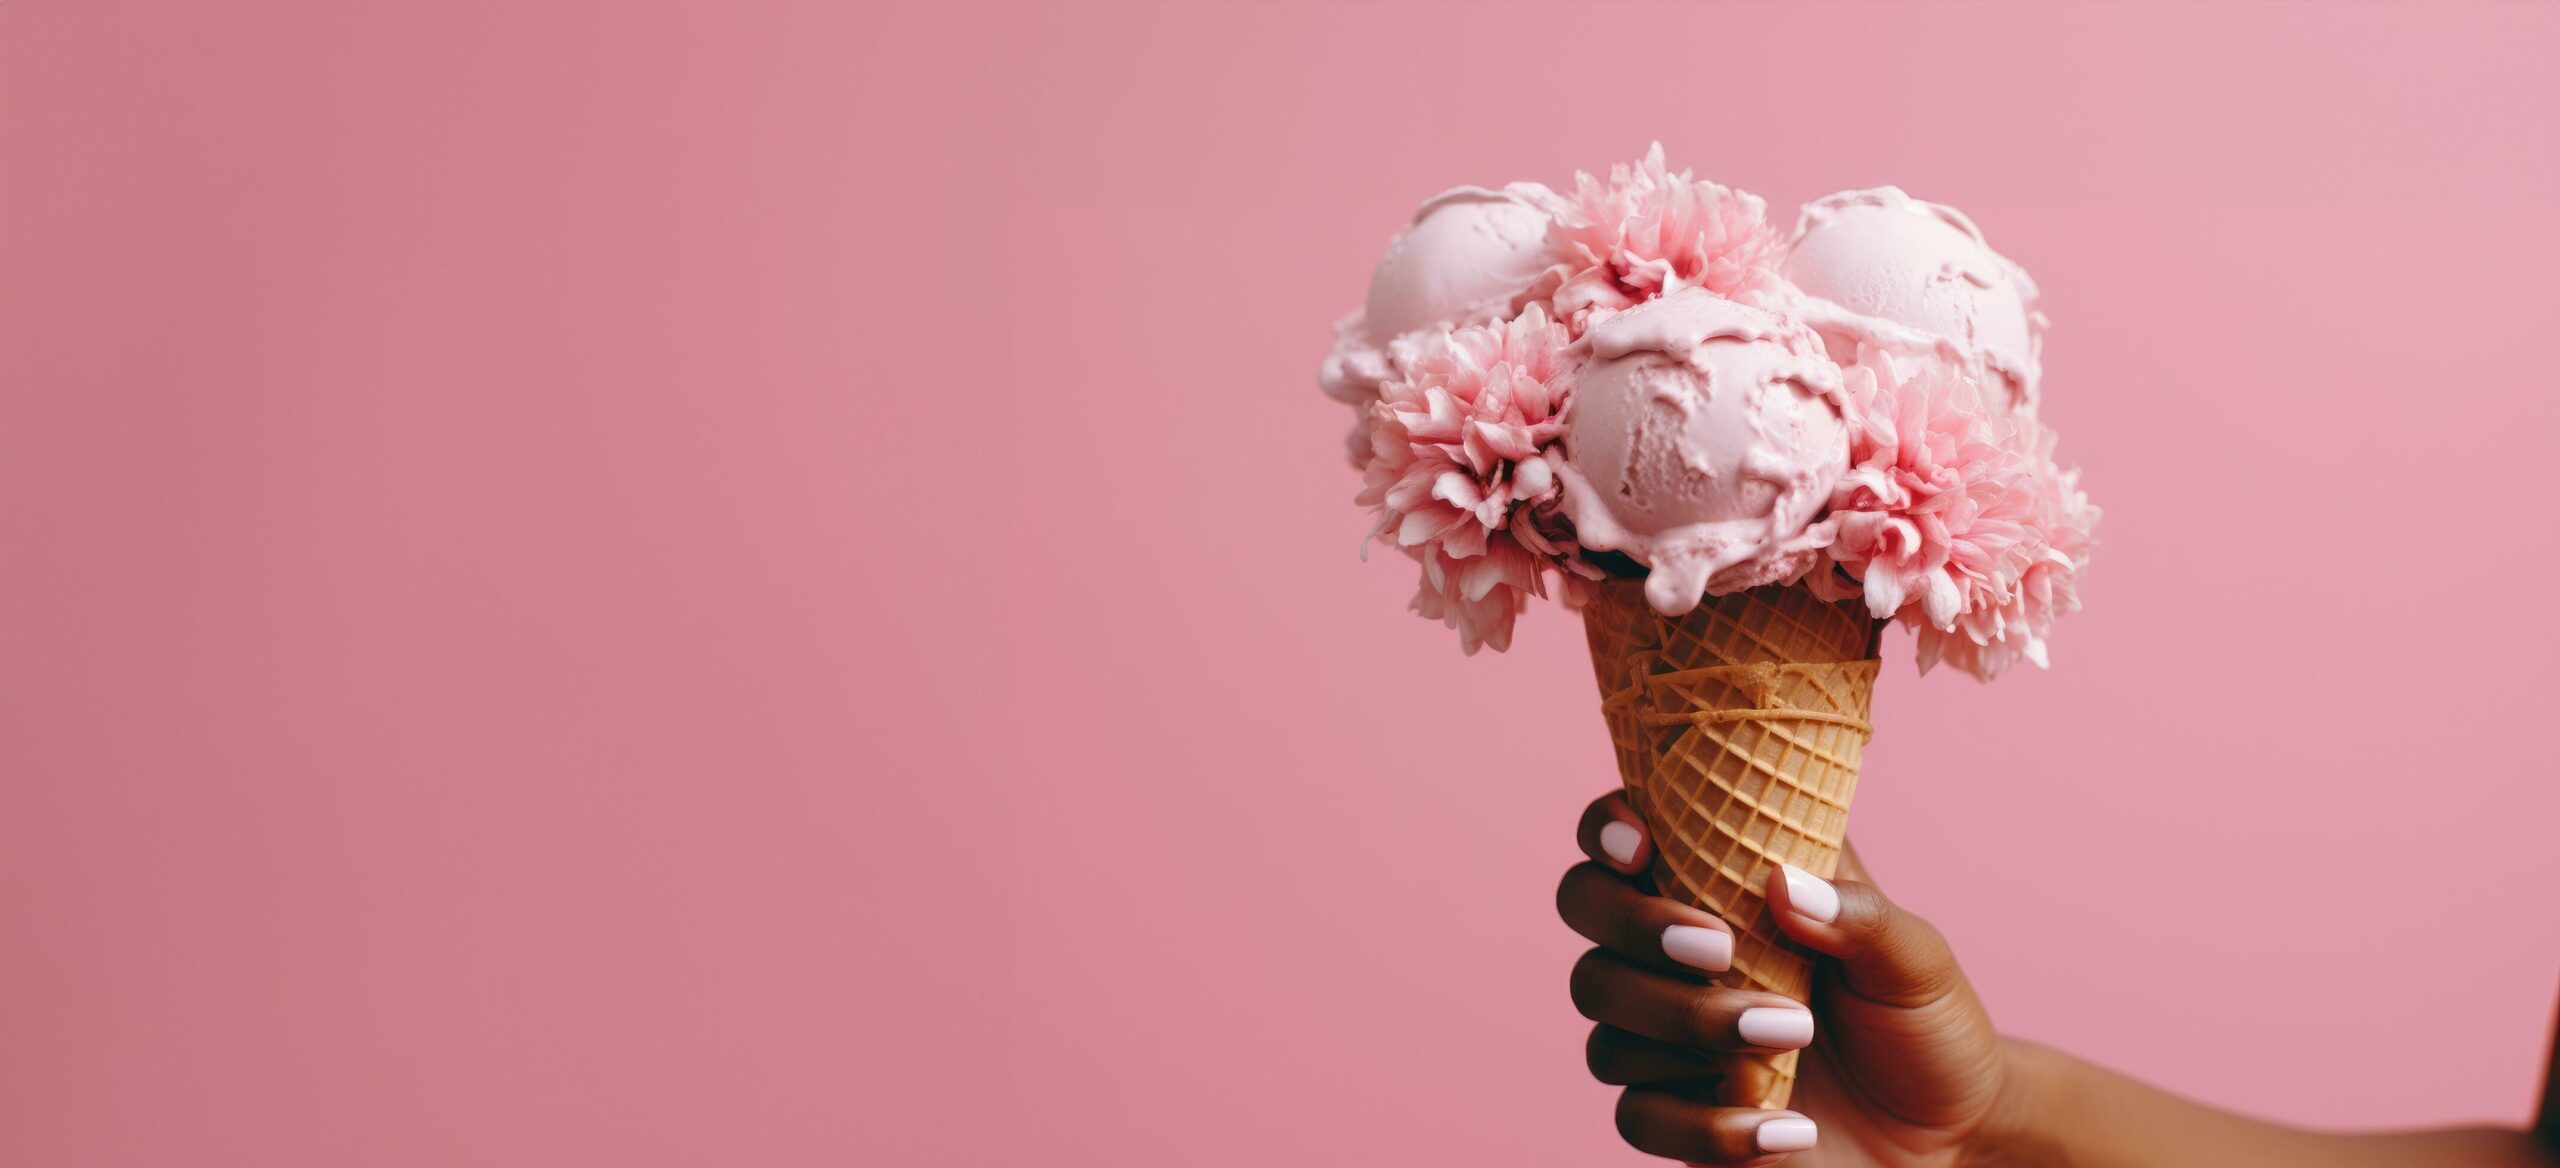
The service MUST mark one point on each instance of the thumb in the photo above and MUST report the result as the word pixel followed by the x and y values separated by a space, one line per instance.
pixel 1886 954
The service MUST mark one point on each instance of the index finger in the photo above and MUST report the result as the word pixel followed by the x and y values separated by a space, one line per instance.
pixel 1613 835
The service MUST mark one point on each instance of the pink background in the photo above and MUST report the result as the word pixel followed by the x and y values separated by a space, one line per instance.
pixel 677 584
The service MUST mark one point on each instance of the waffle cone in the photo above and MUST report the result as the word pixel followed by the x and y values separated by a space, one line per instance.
pixel 1738 728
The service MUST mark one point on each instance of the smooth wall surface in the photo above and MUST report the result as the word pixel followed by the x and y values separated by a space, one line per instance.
pixel 768 583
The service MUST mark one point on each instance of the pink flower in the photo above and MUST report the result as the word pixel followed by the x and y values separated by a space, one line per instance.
pixel 1984 643
pixel 1648 232
pixel 1953 517
pixel 1458 472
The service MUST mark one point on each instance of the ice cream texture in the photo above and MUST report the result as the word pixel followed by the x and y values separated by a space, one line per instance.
pixel 1467 257
pixel 1704 440
pixel 1468 253
pixel 1635 374
pixel 1882 255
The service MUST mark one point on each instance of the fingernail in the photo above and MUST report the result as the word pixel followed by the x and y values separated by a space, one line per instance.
pixel 1776 1027
pixel 1708 949
pixel 1786 1133
pixel 1811 896
pixel 1620 839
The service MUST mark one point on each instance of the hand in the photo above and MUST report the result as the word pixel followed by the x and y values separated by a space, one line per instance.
pixel 1901 1067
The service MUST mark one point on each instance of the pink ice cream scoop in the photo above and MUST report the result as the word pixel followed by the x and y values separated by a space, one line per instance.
pixel 1885 256
pixel 1468 255
pixel 1703 439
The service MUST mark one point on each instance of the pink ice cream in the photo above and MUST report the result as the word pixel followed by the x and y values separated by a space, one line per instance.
pixel 1896 261
pixel 1468 254
pixel 1549 386
pixel 1703 439
pixel 1469 257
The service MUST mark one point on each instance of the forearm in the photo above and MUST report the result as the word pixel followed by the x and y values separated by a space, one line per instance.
pixel 2069 1114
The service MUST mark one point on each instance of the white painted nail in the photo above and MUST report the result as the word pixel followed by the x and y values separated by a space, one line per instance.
pixel 1708 949
pixel 1776 1027
pixel 1786 1133
pixel 1620 839
pixel 1811 896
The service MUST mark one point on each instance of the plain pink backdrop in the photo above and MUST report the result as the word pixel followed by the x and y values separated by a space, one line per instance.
pixel 768 583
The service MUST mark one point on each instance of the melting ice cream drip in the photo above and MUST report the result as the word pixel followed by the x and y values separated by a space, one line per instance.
pixel 1704 442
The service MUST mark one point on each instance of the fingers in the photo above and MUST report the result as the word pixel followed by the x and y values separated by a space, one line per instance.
pixel 1613 834
pixel 1886 954
pixel 1614 991
pixel 1621 1059
pixel 1669 1122
pixel 1599 904
pixel 1602 906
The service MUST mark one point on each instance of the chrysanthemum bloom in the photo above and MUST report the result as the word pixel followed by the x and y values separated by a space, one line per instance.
pixel 1458 473
pixel 1470 256
pixel 1648 232
pixel 1986 642
pixel 1953 516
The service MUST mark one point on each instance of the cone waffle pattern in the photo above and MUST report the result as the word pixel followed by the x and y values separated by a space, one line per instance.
pixel 1738 728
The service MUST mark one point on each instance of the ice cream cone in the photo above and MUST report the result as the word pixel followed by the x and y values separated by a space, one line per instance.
pixel 1739 727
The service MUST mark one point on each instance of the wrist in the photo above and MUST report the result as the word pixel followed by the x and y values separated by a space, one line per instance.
pixel 2031 1115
